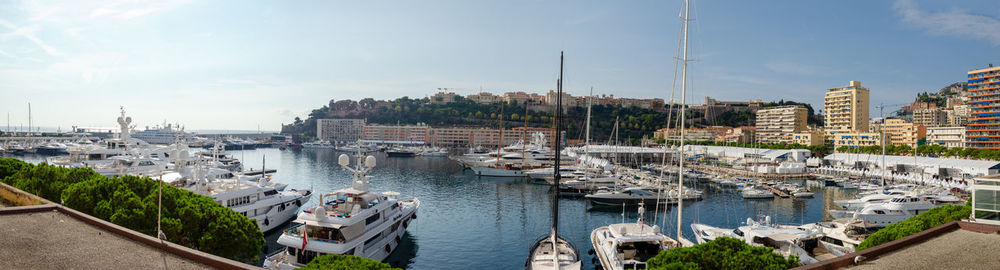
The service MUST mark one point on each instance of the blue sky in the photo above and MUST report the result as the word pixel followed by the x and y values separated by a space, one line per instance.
pixel 240 64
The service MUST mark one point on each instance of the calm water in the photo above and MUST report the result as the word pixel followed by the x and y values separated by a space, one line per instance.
pixel 467 221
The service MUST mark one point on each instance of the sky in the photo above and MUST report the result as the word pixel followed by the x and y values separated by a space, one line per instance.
pixel 244 65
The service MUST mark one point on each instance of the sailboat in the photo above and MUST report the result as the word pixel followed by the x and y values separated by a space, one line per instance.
pixel 553 251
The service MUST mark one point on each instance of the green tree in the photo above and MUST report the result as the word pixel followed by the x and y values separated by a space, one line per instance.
pixel 926 220
pixel 721 253
pixel 345 262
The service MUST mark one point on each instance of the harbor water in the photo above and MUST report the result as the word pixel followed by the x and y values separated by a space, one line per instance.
pixel 466 221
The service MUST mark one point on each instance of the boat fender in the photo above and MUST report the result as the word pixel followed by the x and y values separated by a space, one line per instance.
pixel 397 239
pixel 414 216
pixel 406 224
pixel 591 251
pixel 298 203
pixel 387 249
pixel 267 222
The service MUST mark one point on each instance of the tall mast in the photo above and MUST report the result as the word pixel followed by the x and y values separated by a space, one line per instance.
pixel 524 133
pixel 557 176
pixel 500 142
pixel 882 115
pixel 680 171
pixel 29 119
pixel 587 132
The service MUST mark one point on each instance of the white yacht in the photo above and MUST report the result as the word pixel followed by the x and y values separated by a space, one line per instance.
pixel 839 236
pixel 629 245
pixel 317 145
pixel 895 210
pixel 166 134
pixel 785 239
pixel 756 193
pixel 647 195
pixel 350 221
pixel 262 203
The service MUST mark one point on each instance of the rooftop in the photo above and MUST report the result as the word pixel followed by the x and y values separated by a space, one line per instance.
pixel 53 240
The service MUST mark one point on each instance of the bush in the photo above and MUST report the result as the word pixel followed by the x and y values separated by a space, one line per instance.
pixel 345 262
pixel 721 253
pixel 188 219
pixel 932 218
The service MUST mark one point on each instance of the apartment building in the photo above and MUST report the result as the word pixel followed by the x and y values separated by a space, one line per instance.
pixel 983 130
pixel 856 139
pixel 931 117
pixel 776 124
pixel 396 134
pixel 486 137
pixel 737 135
pixel 958 115
pixel 809 138
pixel 946 136
pixel 846 109
pixel 902 132
pixel 443 97
pixel 339 130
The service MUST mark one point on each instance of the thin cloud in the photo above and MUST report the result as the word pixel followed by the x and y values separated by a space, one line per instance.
pixel 955 22
pixel 29 34
pixel 126 10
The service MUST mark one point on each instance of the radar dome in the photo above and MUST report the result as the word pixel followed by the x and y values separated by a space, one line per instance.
pixel 344 160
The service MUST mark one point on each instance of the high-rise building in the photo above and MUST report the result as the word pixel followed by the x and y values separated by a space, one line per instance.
pixel 984 90
pixel 958 115
pixel 846 109
pixel 339 130
pixel 776 124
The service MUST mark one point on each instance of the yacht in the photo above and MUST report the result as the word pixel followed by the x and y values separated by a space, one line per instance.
pixel 756 193
pixel 629 245
pixel 647 195
pixel 263 203
pixel 786 240
pixel 317 145
pixel 166 134
pixel 401 151
pixel 895 210
pixel 841 236
pixel 433 152
pixel 704 233
pixel 52 148
pixel 349 221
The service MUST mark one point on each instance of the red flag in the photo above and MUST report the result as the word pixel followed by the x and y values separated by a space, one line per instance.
pixel 304 236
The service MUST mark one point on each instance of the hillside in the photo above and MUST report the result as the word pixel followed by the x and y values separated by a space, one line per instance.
pixel 634 122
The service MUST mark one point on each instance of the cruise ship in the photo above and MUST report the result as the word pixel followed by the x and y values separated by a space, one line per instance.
pixel 349 221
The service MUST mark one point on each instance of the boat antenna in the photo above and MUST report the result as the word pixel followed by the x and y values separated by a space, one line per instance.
pixel 557 176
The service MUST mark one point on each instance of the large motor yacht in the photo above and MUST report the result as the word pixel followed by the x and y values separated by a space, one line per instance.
pixel 166 134
pixel 350 221
pixel 629 245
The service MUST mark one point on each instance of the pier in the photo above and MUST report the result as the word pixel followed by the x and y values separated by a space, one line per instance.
pixel 776 192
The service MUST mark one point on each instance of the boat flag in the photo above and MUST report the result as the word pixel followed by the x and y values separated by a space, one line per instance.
pixel 304 236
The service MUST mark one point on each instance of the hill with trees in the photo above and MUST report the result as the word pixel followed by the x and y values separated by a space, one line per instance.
pixel 633 122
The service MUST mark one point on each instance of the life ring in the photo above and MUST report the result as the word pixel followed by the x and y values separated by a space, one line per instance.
pixel 387 248
pixel 267 222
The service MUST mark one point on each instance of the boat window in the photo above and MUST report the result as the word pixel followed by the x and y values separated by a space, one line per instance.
pixel 738 232
pixel 270 192
pixel 371 219
pixel 880 212
pixel 834 241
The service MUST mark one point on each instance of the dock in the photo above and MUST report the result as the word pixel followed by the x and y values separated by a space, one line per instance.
pixel 745 173
pixel 259 172
pixel 776 192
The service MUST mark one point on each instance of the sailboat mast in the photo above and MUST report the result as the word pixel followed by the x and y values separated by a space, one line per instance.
pixel 590 99
pixel 882 115
pixel 680 171
pixel 524 133
pixel 557 175
pixel 500 142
